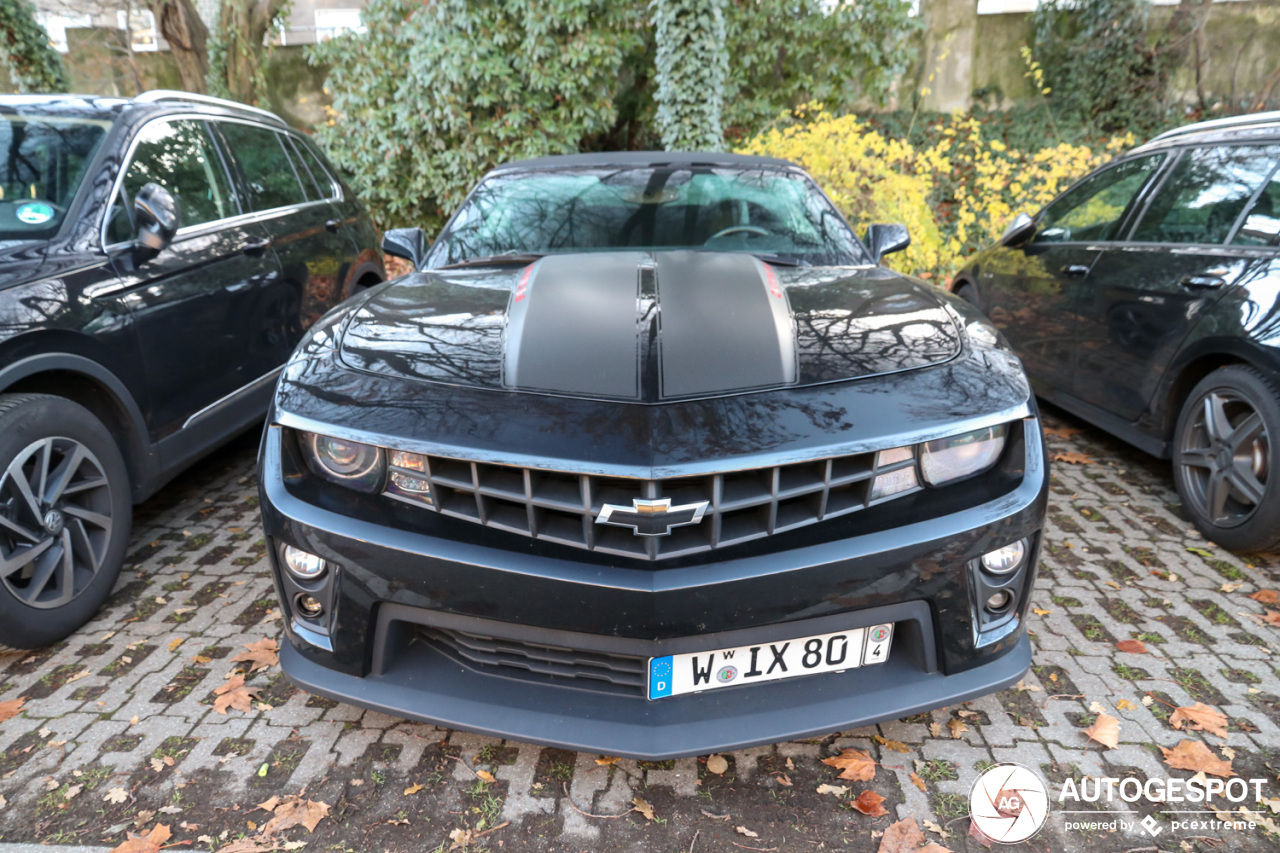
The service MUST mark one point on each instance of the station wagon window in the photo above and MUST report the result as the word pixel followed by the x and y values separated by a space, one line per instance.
pixel 179 156
pixel 320 176
pixel 266 166
pixel 1206 193
pixel 1261 226
pixel 44 161
pixel 1093 209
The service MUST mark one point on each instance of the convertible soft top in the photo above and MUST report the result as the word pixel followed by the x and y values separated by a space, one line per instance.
pixel 645 158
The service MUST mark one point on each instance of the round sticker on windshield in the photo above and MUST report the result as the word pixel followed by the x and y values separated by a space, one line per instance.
pixel 34 213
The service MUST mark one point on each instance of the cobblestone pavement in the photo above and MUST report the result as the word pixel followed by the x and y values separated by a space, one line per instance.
pixel 124 709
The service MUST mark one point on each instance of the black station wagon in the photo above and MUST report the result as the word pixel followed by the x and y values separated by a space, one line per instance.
pixel 1146 300
pixel 159 259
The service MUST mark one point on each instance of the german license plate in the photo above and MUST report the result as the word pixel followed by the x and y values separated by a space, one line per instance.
pixel 673 675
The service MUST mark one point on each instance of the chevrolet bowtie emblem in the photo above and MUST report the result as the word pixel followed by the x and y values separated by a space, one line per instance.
pixel 652 518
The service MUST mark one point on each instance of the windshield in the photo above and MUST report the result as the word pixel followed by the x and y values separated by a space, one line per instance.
pixel 44 163
pixel 758 210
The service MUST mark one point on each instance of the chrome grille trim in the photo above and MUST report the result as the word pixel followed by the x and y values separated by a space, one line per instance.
pixel 561 507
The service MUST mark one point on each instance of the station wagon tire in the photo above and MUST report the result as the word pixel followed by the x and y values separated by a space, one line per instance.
pixel 65 514
pixel 1222 458
pixel 969 294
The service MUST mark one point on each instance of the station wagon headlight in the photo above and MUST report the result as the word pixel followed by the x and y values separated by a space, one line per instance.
pixel 946 460
pixel 348 463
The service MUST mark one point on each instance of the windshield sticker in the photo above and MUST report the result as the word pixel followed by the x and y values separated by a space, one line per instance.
pixel 34 213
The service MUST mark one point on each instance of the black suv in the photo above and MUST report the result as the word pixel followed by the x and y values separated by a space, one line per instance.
pixel 159 259
pixel 1145 300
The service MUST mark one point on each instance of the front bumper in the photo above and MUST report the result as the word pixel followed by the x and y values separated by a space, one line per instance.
pixel 391 590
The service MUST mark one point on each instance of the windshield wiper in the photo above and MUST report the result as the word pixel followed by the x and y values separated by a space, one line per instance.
pixel 500 259
pixel 779 260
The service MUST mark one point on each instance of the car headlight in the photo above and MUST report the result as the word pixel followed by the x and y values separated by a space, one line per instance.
pixel 349 463
pixel 946 460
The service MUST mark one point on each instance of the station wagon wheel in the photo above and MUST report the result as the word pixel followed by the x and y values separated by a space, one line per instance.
pixel 1222 458
pixel 64 517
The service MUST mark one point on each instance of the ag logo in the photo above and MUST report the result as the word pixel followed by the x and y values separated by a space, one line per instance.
pixel 1009 803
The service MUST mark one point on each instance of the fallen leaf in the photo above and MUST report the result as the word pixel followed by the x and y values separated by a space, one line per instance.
pixel 412 789
pixel 838 790
pixel 1061 432
pixel 1200 717
pixel 1266 596
pixel 1125 705
pixel 869 803
pixel 1231 587
pixel 11 708
pixel 152 842
pixel 958 728
pixel 918 782
pixel 1073 458
pixel 116 795
pixel 485 775
pixel 233 694
pixel 1271 617
pixel 853 764
pixel 174 643
pixel 269 805
pixel 1105 730
pixel 644 807
pixel 1133 647
pixel 742 830
pixel 72 792
pixel 461 838
pixel 260 655
pixel 1040 611
pixel 1113 585
pixel 1031 688
pixel 784 780
pixel 1195 756
pixel 935 729
pixel 1228 753
pixel 902 837
pixel 933 827
pixel 715 816
pixel 717 764
pixel 606 760
pixel 295 811
pixel 896 746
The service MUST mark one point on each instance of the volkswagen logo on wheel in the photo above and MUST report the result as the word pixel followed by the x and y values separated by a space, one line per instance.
pixel 1009 803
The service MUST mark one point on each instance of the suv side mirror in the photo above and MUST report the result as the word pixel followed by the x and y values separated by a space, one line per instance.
pixel 155 214
pixel 407 243
pixel 1019 231
pixel 882 240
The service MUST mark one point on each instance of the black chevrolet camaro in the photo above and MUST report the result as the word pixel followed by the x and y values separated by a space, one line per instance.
pixel 651 457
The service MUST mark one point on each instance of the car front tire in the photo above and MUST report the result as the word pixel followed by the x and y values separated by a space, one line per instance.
pixel 65 513
pixel 1222 458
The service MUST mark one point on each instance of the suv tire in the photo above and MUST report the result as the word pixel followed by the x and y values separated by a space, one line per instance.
pixel 65 513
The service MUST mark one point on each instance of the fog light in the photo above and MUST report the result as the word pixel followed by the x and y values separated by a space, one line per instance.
pixel 999 601
pixel 302 565
pixel 894 482
pixel 1001 561
pixel 309 607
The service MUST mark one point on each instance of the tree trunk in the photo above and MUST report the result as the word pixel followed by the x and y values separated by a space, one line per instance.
pixel 180 24
pixel 245 24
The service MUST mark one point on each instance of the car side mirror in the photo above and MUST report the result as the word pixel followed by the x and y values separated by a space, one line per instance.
pixel 407 243
pixel 1019 231
pixel 155 215
pixel 885 239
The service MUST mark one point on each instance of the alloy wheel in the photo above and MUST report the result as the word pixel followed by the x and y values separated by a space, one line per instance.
pixel 1225 453
pixel 55 522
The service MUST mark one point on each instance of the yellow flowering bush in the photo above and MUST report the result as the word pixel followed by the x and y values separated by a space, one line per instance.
pixel 955 194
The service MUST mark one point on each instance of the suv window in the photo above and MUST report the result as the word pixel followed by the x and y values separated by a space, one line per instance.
pixel 267 168
pixel 1205 194
pixel 179 156
pixel 1261 226
pixel 323 183
pixel 1093 209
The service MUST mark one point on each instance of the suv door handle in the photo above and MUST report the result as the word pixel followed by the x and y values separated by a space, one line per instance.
pixel 1203 281
pixel 1075 270
pixel 253 250
pixel 333 224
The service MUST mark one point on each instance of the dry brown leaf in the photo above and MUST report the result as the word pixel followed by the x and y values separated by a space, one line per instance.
pixel 1073 458
pixel 116 795
pixel 1105 730
pixel 895 745
pixel 935 729
pixel 853 764
pixel 783 779
pixel 902 837
pixel 1061 432
pixel 838 790
pixel 260 655
pixel 742 830
pixel 233 694
pixel 1195 756
pixel 1266 596
pixel 11 708
pixel 717 764
pixel 486 775
pixel 1200 717
pixel 175 642
pixel 269 805
pixel 644 807
pixel 1271 617
pixel 606 760
pixel 958 728
pixel 412 789
pixel 149 843
pixel 869 803
pixel 461 838
pixel 918 782
pixel 295 811
pixel 1133 647
pixel 1125 705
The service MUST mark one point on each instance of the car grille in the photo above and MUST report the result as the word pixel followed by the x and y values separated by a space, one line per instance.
pixel 594 670
pixel 741 505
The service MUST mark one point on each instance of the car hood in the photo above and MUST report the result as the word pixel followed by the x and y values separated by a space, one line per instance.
pixel 649 326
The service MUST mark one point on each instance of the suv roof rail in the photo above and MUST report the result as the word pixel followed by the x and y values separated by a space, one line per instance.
pixel 157 95
pixel 1247 120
